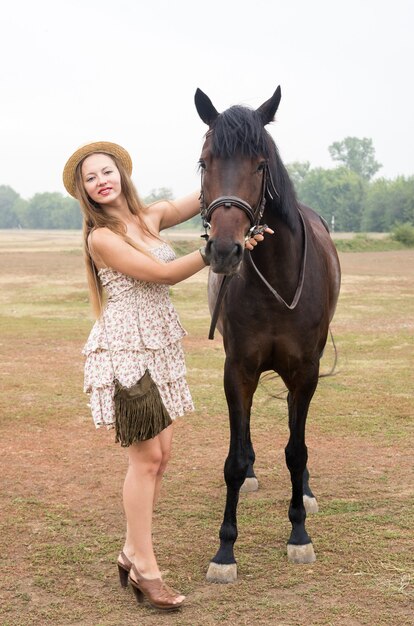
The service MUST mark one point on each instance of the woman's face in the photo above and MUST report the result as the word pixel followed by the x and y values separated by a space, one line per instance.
pixel 101 178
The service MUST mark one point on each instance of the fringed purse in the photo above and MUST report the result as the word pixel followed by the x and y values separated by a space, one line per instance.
pixel 140 413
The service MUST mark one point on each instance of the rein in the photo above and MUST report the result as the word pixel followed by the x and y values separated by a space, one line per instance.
pixel 301 280
pixel 217 307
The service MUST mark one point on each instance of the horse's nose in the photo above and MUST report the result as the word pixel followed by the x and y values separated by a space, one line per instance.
pixel 224 257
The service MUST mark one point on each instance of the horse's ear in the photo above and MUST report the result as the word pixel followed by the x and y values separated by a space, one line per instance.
pixel 205 107
pixel 268 109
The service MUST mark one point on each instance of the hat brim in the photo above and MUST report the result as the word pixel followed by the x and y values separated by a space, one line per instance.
pixel 106 147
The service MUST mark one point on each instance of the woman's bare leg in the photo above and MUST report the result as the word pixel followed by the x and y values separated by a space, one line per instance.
pixel 165 442
pixel 147 463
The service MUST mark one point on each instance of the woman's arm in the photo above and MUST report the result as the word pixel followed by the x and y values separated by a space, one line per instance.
pixel 114 252
pixel 169 214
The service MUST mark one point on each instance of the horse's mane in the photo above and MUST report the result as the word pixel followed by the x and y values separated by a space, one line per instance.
pixel 240 130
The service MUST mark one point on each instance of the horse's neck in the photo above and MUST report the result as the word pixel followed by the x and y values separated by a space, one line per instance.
pixel 280 257
pixel 288 231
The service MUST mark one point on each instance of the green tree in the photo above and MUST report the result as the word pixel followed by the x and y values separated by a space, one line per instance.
pixel 375 214
pixel 298 170
pixel 52 211
pixel 401 206
pixel 10 202
pixel 404 233
pixel 337 193
pixel 161 193
pixel 389 202
pixel 358 155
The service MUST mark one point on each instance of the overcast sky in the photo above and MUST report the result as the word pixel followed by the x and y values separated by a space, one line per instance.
pixel 74 71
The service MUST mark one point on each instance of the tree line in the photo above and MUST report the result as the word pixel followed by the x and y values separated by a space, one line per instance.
pixel 50 210
pixel 346 195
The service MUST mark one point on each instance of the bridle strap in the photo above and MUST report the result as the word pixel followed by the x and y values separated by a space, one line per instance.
pixel 270 185
pixel 227 202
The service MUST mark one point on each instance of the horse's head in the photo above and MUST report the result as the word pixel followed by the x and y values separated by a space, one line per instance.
pixel 234 165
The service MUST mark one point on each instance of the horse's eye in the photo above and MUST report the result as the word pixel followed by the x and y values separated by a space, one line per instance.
pixel 202 164
pixel 261 166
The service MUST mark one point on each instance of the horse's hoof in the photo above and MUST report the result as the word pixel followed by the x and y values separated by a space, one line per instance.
pixel 249 485
pixel 218 573
pixel 301 554
pixel 310 504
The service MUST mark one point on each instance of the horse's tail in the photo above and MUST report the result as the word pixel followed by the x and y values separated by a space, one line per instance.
pixel 333 368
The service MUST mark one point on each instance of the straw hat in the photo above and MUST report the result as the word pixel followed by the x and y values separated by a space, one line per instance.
pixel 98 146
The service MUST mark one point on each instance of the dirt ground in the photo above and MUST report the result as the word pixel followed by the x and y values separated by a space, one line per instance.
pixel 61 510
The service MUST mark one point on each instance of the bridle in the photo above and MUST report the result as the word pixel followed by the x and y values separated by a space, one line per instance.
pixel 254 215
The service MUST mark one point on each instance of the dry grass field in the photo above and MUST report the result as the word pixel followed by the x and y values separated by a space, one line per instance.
pixel 60 504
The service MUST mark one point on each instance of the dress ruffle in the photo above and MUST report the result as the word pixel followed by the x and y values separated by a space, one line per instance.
pixel 166 366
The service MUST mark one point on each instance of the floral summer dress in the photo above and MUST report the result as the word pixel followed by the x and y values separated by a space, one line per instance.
pixel 139 330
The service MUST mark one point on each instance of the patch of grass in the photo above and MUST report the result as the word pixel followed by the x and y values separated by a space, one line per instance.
pixel 362 242
pixel 335 507
pixel 62 522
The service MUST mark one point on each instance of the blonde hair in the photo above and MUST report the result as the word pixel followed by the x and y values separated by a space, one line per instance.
pixel 95 217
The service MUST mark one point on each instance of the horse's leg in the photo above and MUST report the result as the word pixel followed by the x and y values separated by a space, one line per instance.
pixel 239 387
pixel 309 500
pixel 250 482
pixel 299 548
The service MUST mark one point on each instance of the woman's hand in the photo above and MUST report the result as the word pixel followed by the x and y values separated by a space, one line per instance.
pixel 252 242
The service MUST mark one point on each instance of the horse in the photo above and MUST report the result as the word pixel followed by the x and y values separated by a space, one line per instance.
pixel 273 305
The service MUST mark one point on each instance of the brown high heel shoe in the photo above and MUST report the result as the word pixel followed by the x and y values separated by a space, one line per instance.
pixel 124 567
pixel 158 593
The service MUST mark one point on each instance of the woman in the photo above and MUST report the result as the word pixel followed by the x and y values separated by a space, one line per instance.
pixel 137 329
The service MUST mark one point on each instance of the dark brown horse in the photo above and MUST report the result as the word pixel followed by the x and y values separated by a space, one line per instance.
pixel 276 309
